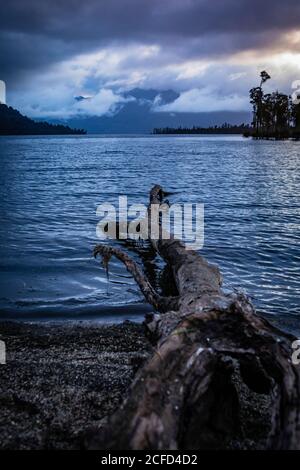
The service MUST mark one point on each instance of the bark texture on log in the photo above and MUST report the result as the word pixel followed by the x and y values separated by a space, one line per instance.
pixel 221 376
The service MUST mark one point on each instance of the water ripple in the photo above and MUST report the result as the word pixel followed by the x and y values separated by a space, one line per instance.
pixel 50 188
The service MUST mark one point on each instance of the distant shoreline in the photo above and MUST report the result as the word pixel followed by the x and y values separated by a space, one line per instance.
pixel 12 122
pixel 125 134
pixel 224 129
pixel 227 129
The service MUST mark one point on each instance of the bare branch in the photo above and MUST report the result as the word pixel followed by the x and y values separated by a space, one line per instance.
pixel 160 303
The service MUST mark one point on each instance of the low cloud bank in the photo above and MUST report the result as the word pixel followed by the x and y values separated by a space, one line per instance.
pixel 204 100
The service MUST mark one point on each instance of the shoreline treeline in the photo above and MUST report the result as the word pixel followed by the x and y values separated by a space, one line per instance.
pixel 12 122
pixel 224 129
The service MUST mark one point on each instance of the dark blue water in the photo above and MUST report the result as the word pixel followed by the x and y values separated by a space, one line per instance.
pixel 50 188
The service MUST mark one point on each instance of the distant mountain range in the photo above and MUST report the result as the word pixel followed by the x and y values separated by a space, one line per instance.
pixel 14 123
pixel 137 116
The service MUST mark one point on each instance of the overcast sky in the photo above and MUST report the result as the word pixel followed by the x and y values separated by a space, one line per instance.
pixel 210 51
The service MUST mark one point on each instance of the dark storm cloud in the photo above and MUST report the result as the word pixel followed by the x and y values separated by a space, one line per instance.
pixel 35 33
pixel 102 19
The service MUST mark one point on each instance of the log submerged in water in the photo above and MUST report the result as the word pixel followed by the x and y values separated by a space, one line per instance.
pixel 221 377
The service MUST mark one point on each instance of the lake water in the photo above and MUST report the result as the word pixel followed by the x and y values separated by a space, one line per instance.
pixel 50 188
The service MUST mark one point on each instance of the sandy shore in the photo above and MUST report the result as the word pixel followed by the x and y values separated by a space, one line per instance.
pixel 62 379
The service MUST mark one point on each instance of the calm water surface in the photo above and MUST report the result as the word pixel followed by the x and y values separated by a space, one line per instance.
pixel 50 188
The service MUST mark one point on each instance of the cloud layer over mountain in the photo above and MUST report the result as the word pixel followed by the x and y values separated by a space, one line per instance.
pixel 208 51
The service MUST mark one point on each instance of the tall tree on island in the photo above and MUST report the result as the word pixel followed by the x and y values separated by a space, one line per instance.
pixel 256 99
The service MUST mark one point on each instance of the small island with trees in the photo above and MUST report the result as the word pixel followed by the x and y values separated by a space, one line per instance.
pixel 275 115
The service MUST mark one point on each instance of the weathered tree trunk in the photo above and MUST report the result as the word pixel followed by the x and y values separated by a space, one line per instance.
pixel 220 377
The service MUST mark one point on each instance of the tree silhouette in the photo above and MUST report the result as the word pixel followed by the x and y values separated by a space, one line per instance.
pixel 256 99
pixel 274 114
pixel 264 76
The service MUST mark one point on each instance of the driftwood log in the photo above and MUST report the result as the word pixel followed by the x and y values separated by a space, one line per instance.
pixel 221 377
